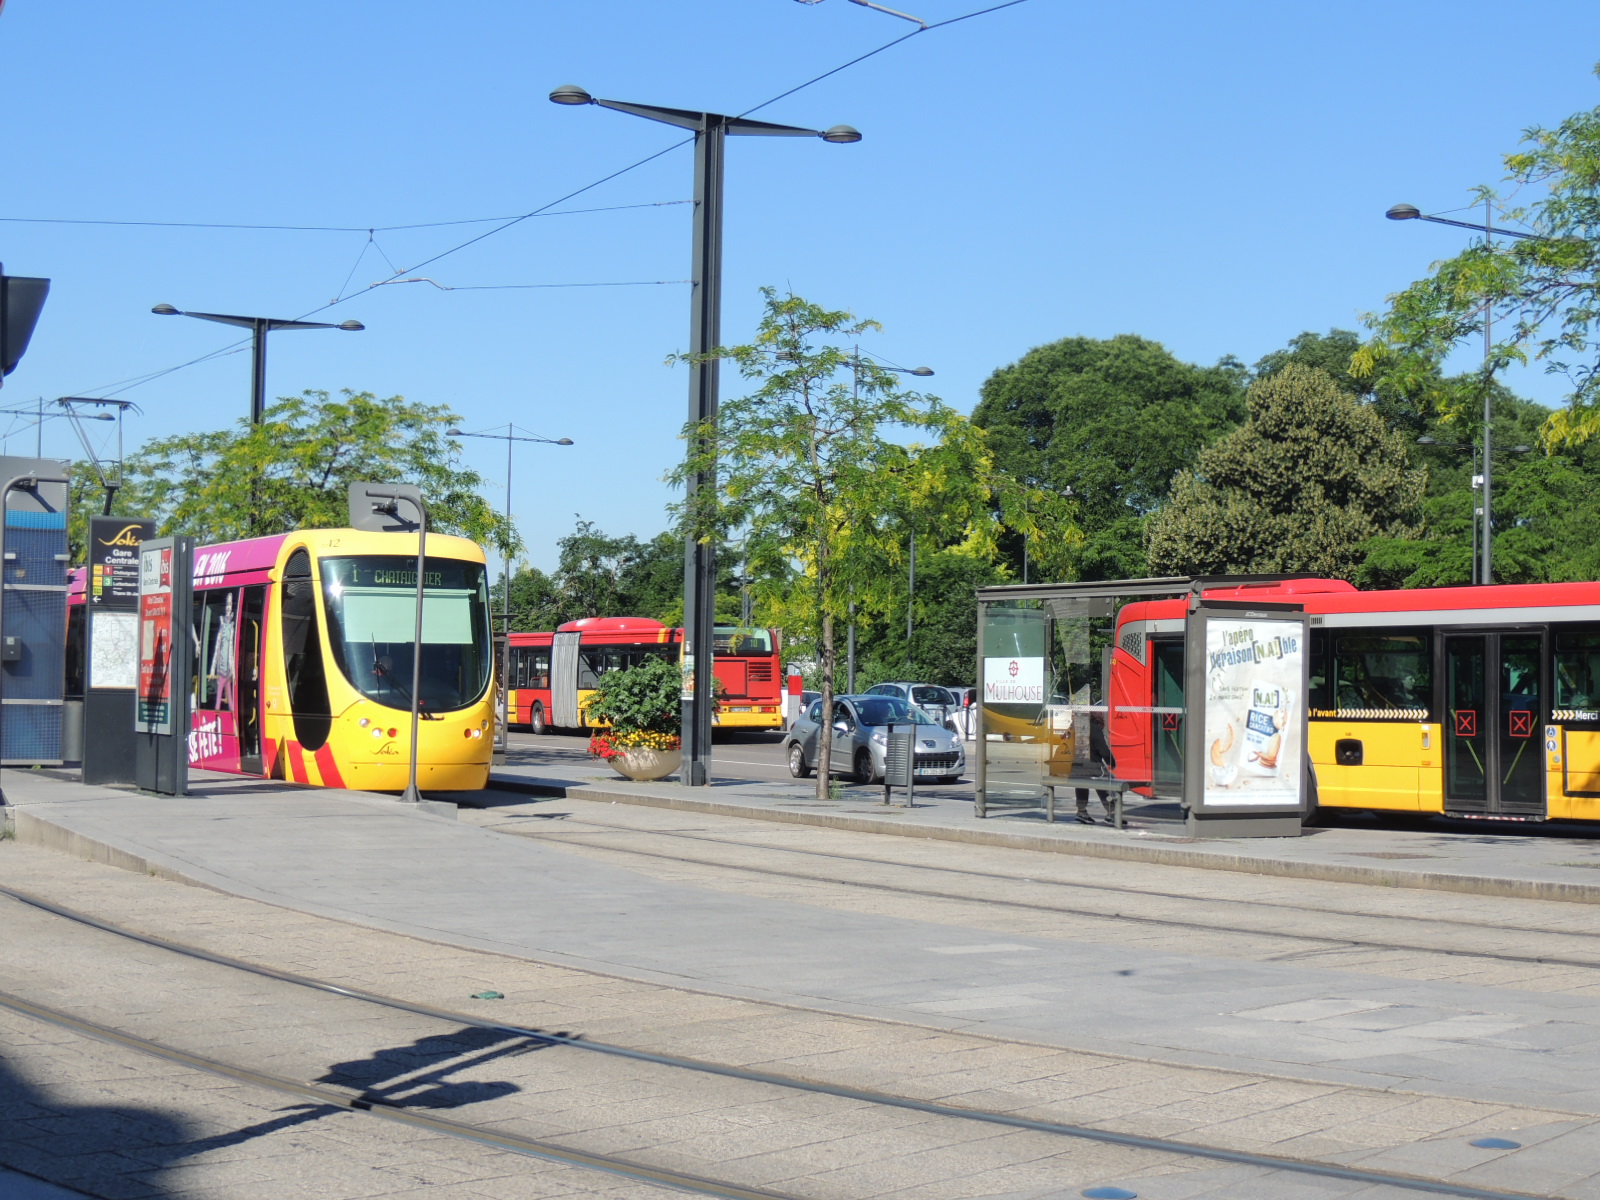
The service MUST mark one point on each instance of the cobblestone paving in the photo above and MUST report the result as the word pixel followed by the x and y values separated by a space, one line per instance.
pixel 114 1123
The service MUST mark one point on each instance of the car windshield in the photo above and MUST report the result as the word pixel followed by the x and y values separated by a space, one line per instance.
pixel 928 694
pixel 371 603
pixel 890 710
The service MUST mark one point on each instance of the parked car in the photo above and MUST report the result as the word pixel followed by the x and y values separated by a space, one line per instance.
pixel 939 703
pixel 860 739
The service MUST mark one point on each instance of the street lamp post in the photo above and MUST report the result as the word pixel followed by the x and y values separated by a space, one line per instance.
pixel 699 572
pixel 509 437
pixel 1410 212
pixel 259 327
pixel 856 363
pixel 1477 480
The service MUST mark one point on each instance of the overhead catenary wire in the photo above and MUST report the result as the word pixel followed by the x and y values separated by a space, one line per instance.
pixel 544 209
pixel 571 212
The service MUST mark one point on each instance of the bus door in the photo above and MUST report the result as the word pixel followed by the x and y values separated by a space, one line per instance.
pixel 1166 727
pixel 252 617
pixel 564 680
pixel 1494 724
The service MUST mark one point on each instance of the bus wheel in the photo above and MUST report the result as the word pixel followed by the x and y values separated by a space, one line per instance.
pixel 536 719
pixel 864 772
pixel 797 762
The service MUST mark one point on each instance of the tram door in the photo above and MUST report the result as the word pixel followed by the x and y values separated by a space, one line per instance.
pixel 1166 659
pixel 252 614
pixel 1494 718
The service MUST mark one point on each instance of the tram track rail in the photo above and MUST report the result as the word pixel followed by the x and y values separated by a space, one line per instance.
pixel 379 1107
pixel 1336 942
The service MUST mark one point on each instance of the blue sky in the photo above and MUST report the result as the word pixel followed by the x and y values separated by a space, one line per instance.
pixel 1210 176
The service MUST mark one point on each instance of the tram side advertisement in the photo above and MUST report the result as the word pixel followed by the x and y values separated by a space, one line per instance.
pixel 155 641
pixel 1255 672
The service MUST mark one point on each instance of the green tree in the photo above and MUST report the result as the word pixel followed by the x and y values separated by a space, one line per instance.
pixel 824 497
pixel 1310 477
pixel 293 470
pixel 1542 295
pixel 1110 423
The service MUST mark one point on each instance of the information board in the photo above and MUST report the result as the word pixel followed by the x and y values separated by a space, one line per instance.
pixel 114 560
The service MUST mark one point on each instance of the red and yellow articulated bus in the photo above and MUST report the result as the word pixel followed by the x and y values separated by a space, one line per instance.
pixel 1467 701
pixel 553 675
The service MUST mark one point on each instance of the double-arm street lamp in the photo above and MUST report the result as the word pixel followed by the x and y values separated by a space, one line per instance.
pixel 1477 481
pixel 1410 212
pixel 855 364
pixel 259 328
pixel 705 329
pixel 510 437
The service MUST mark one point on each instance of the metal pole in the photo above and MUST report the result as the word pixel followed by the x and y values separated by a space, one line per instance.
pixel 1488 419
pixel 911 595
pixel 850 654
pixel 699 561
pixel 505 646
pixel 411 792
pixel 258 370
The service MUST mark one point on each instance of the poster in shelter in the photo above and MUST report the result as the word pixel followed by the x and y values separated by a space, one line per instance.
pixel 1254 726
pixel 154 713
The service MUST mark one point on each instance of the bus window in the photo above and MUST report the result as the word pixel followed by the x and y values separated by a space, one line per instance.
pixel 1578 670
pixel 1383 675
pixel 741 641
pixel 595 662
pixel 1321 697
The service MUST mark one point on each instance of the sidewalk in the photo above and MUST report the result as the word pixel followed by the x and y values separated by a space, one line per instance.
pixel 1542 862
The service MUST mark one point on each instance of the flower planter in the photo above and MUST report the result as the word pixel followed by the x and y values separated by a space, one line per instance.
pixel 642 764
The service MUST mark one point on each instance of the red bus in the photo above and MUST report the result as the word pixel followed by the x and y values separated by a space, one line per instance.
pixel 553 675
pixel 1466 701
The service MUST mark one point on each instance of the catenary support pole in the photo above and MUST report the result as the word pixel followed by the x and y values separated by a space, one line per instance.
pixel 699 564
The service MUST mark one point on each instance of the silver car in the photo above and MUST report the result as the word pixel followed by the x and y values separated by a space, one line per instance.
pixel 939 703
pixel 860 740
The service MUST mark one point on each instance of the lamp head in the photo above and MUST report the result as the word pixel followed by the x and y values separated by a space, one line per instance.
pixel 923 371
pixel 1403 212
pixel 1521 449
pixel 563 441
pixel 1424 440
pixel 452 433
pixel 570 93
pixel 841 135
pixel 353 326
pixel 165 310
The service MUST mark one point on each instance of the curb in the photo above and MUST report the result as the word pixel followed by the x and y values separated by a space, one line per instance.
pixel 1143 852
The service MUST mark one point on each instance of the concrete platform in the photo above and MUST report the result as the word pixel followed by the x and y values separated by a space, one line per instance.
pixel 1540 862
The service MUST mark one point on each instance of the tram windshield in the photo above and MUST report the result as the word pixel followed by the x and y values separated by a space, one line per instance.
pixel 371 602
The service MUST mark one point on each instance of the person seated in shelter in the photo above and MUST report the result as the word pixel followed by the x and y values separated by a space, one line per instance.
pixel 1103 761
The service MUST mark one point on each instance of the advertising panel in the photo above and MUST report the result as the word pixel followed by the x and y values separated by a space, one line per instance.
pixel 154 713
pixel 1254 749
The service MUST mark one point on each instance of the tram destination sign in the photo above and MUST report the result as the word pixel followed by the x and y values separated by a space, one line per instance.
pixel 114 561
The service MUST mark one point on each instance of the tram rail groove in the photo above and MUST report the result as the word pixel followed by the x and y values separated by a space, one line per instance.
pixel 1161 1145
pixel 386 1110
pixel 1156 853
pixel 1166 922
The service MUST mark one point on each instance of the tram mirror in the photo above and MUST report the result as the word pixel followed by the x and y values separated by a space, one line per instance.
pixel 386 507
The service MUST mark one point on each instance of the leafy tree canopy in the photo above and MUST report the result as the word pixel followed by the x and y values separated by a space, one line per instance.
pixel 1311 476
pixel 293 471
pixel 812 472
pixel 1542 295
pixel 1112 421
